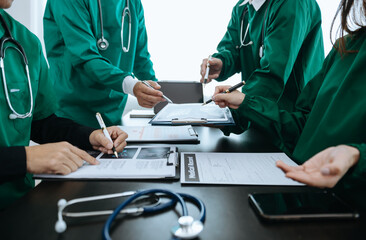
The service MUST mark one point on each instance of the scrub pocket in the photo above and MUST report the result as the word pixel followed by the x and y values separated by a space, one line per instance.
pixel 20 100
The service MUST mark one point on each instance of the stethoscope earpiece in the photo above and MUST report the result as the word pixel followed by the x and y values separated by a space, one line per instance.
pixel 60 226
pixel 188 228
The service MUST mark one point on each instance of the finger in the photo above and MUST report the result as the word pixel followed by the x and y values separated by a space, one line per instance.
pixel 147 104
pixel 103 140
pixel 120 139
pixel 214 62
pixel 145 90
pixel 154 84
pixel 63 169
pixel 121 146
pixel 203 67
pixel 213 76
pixel 287 168
pixel 84 155
pixel 220 89
pixel 314 180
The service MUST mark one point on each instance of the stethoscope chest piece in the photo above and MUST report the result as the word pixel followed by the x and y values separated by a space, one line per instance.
pixel 188 228
pixel 103 44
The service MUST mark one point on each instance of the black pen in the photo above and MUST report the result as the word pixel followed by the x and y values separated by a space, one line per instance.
pixel 229 90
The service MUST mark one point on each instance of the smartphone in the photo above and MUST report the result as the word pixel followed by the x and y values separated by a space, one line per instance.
pixel 291 206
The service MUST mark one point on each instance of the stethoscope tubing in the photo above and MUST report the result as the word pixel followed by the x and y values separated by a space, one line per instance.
pixel 8 38
pixel 174 196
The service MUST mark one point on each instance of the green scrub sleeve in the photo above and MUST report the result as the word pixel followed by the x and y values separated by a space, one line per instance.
pixel 286 29
pixel 143 66
pixel 73 19
pixel 359 170
pixel 283 126
pixel 227 51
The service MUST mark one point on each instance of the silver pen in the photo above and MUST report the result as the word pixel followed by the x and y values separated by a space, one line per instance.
pixel 205 78
pixel 165 97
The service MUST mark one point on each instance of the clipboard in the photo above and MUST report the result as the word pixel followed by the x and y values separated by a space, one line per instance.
pixel 194 114
pixel 135 162
pixel 161 134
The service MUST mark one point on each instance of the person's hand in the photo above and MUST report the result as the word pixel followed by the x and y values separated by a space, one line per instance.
pixel 101 143
pixel 56 158
pixel 215 69
pixel 231 100
pixel 146 96
pixel 324 169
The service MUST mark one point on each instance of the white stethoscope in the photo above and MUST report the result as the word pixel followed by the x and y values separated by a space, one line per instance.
pixel 188 228
pixel 8 38
pixel 103 43
pixel 243 36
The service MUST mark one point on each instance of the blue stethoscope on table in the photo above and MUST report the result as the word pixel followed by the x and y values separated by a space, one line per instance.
pixel 102 42
pixel 8 38
pixel 188 228
pixel 242 36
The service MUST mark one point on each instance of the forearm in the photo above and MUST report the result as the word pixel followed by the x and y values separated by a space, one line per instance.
pixel 56 129
pixel 282 126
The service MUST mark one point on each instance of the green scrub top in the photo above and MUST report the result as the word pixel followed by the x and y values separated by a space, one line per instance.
pixel 293 50
pixel 86 79
pixel 17 132
pixel 330 111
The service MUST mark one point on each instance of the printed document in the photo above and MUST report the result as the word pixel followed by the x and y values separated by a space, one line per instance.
pixel 160 134
pixel 235 168
pixel 144 162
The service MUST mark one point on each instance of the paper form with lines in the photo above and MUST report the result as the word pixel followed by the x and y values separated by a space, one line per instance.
pixel 234 168
pixel 161 134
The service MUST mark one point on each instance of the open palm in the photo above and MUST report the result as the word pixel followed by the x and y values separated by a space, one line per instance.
pixel 324 169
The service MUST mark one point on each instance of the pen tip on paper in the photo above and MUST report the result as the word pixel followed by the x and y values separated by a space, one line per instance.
pixel 116 154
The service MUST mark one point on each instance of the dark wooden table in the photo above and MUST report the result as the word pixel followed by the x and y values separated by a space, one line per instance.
pixel 229 215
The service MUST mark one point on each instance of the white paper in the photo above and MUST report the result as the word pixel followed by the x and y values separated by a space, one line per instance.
pixel 160 133
pixel 135 162
pixel 235 168
pixel 210 112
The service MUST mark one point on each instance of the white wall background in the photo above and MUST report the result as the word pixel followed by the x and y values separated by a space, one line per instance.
pixel 181 33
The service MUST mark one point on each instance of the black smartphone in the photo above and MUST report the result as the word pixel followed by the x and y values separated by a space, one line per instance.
pixel 300 206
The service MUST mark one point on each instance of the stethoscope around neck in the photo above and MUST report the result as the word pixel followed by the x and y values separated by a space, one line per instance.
pixel 102 42
pixel 244 36
pixel 8 38
pixel 188 228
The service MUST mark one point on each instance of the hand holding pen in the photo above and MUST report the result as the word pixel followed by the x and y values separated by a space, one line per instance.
pixel 105 132
pixel 149 85
pixel 210 69
pixel 227 101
